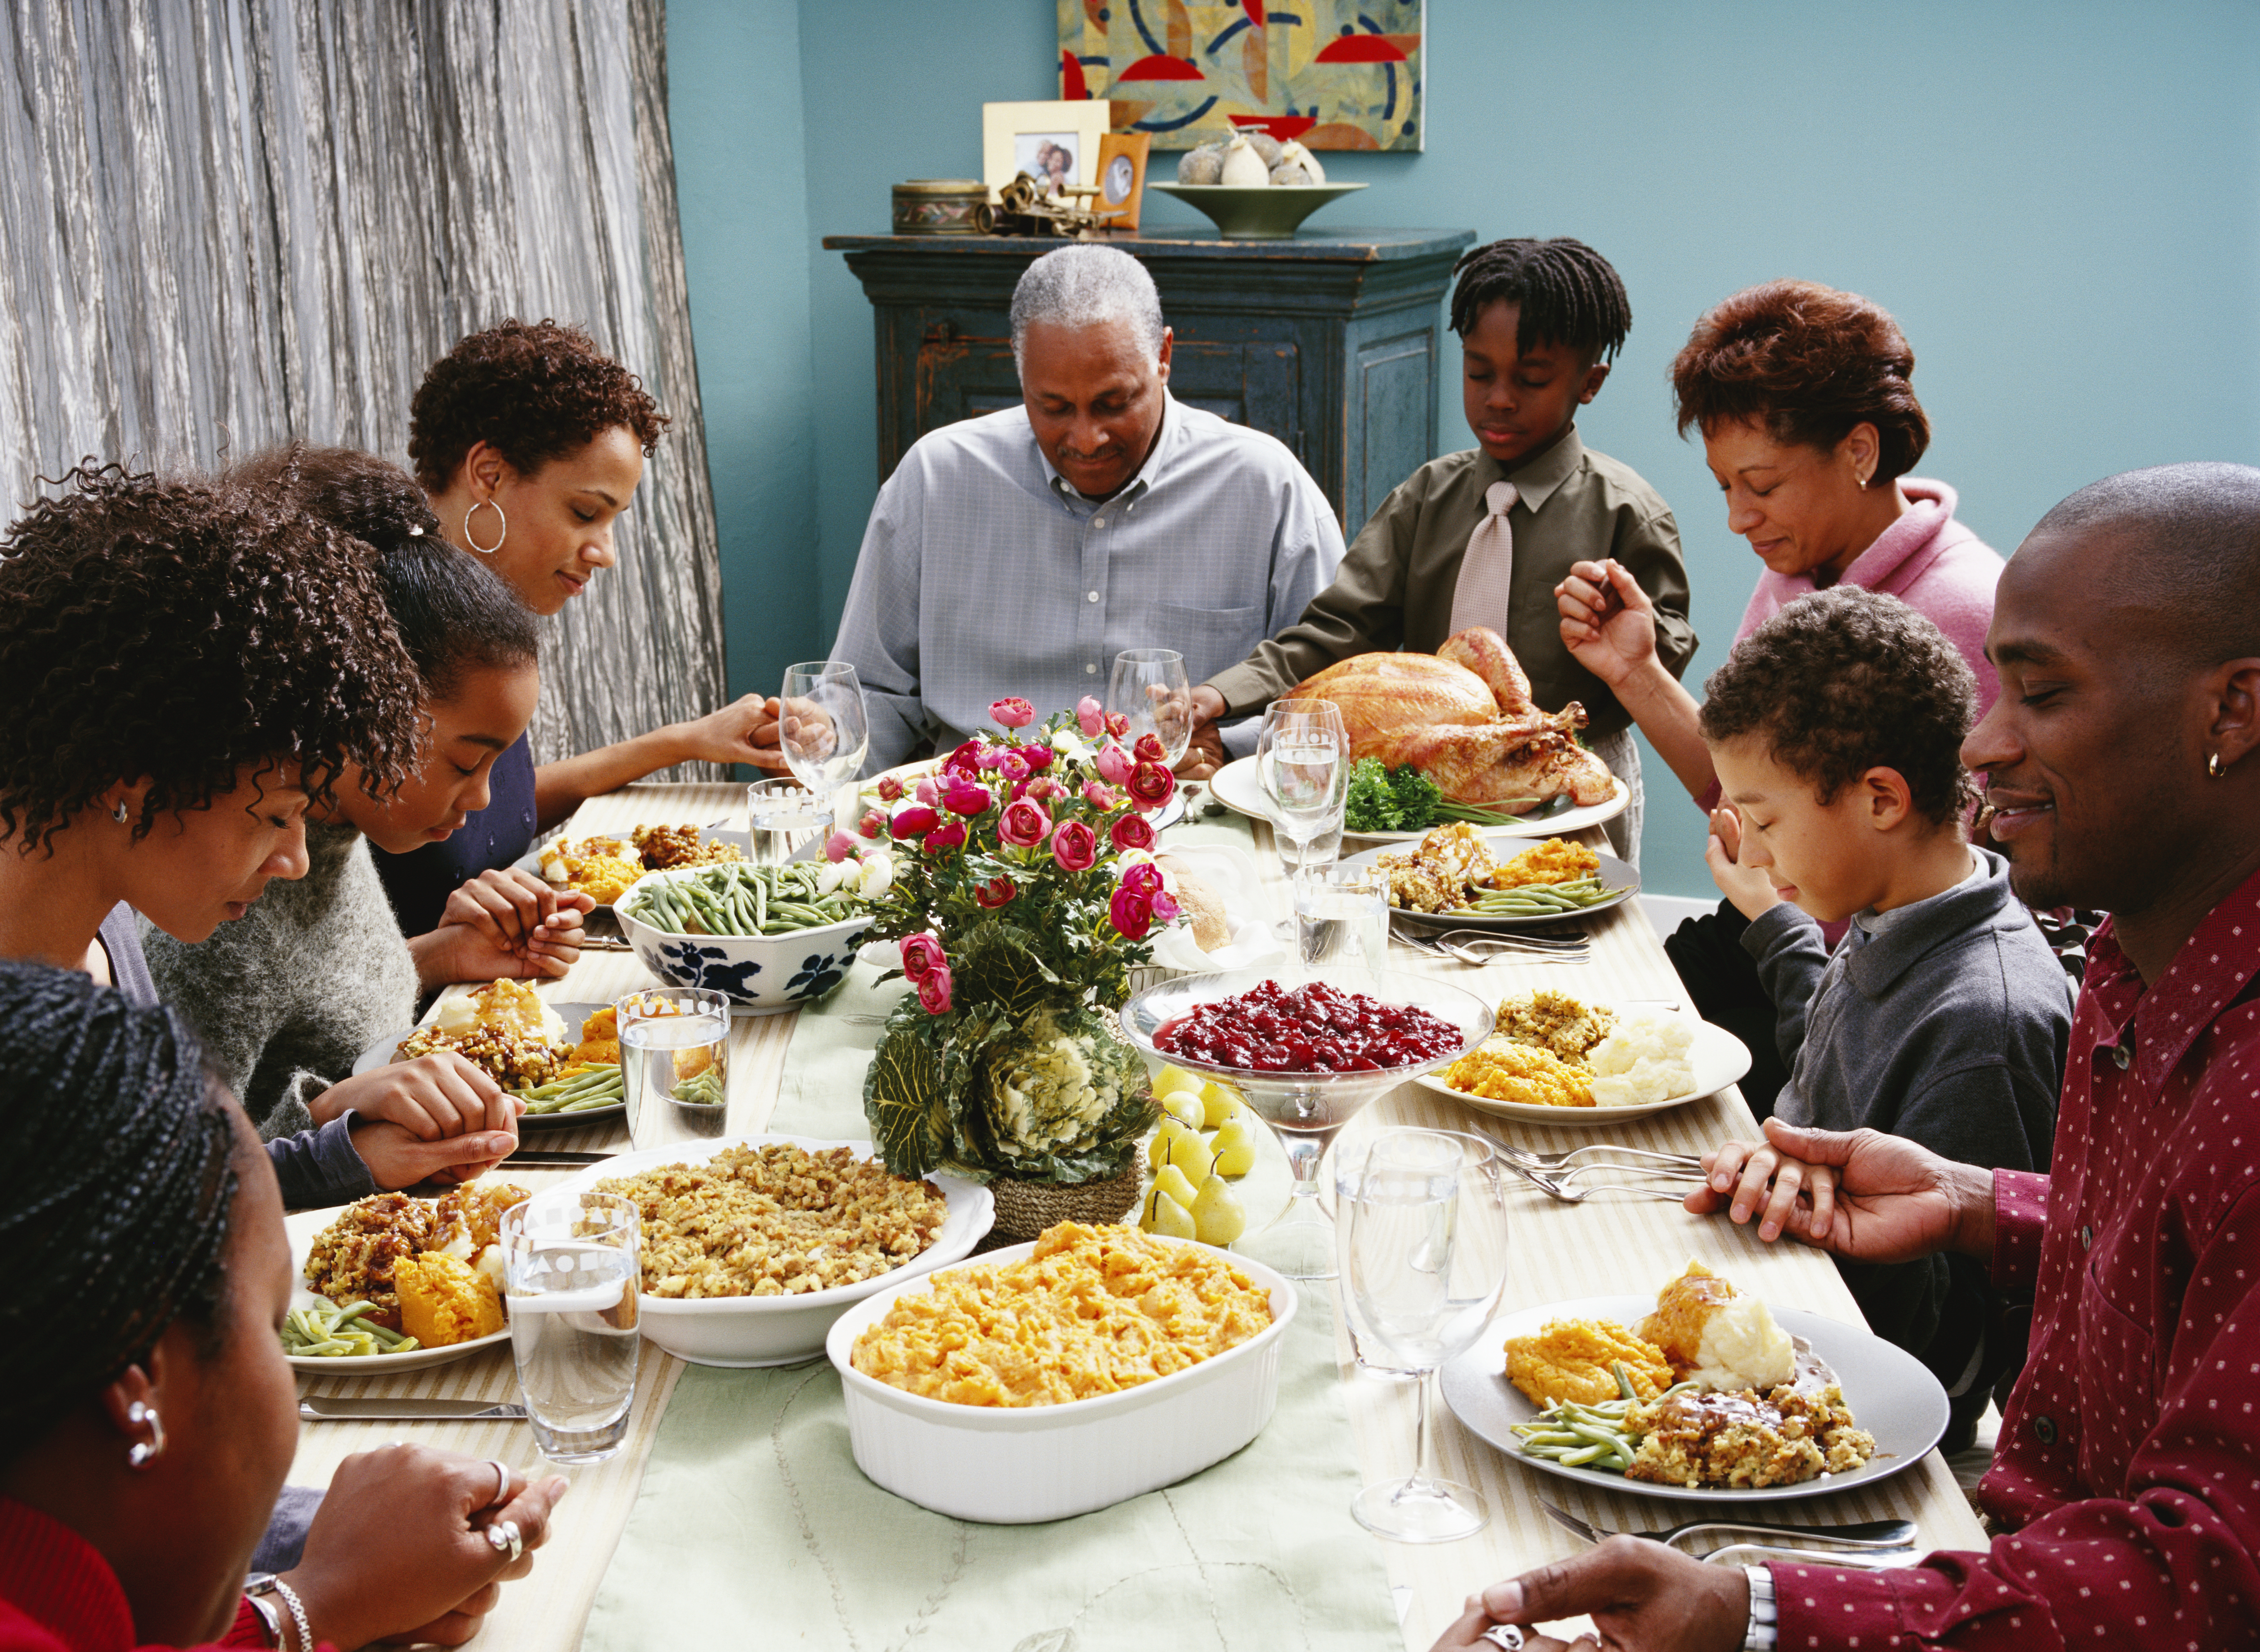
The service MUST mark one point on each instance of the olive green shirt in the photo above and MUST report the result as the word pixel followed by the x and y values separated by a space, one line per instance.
pixel 1394 588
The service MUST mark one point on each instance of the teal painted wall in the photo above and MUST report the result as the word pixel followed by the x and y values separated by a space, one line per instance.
pixel 734 114
pixel 2060 201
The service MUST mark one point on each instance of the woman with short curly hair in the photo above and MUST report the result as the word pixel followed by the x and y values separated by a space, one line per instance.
pixel 530 443
pixel 1805 399
pixel 188 670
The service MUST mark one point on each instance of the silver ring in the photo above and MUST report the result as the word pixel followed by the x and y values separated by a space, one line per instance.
pixel 1505 1635
pixel 502 1482
pixel 504 1534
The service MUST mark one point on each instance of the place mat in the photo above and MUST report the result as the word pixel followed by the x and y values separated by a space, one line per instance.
pixel 754 1513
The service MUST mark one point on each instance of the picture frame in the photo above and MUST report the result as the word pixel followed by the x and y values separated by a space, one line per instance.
pixel 1122 178
pixel 1062 137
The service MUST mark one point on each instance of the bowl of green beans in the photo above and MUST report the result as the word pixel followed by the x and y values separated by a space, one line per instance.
pixel 770 937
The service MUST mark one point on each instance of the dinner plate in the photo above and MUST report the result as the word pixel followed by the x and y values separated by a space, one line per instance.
pixel 379 1055
pixel 1720 1059
pixel 910 774
pixel 302 1229
pixel 1239 787
pixel 1619 879
pixel 717 832
pixel 1892 1394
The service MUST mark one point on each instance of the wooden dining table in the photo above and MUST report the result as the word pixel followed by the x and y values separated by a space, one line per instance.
pixel 1558 1252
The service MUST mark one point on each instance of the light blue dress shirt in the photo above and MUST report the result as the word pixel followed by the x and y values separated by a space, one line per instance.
pixel 984 573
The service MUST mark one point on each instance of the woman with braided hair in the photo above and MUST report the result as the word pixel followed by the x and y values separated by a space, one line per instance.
pixel 1481 538
pixel 287 996
pixel 1805 401
pixel 147 1414
pixel 188 671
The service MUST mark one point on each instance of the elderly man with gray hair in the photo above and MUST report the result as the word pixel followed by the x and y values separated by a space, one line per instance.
pixel 1017 553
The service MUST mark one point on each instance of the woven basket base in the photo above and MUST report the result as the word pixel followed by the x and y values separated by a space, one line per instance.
pixel 1024 1209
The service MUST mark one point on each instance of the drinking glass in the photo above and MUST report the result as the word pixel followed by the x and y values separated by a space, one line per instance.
pixel 675 1047
pixel 573 1269
pixel 783 817
pixel 1320 852
pixel 1341 918
pixel 823 729
pixel 1150 688
pixel 1420 1223
pixel 1302 755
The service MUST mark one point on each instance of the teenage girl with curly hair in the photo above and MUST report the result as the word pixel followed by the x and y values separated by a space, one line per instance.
pixel 286 997
pixel 188 672
pixel 530 443
pixel 148 1415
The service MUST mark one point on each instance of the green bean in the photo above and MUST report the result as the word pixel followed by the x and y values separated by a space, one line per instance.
pixel 1578 1459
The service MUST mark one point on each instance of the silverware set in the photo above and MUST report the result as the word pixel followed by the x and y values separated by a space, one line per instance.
pixel 1482 947
pixel 1880 1541
pixel 1580 1174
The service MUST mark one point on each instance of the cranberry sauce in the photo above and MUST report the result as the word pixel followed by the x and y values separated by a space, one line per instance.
pixel 1313 1029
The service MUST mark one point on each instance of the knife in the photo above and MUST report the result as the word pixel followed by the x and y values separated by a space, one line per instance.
pixel 324 1408
pixel 552 1156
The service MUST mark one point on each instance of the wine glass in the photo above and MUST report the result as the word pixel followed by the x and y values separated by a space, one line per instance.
pixel 1302 755
pixel 823 729
pixel 1150 688
pixel 1420 1221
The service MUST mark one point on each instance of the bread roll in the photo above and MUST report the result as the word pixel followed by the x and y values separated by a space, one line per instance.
pixel 1204 906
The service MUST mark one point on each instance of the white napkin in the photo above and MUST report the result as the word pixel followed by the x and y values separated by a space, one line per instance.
pixel 1233 875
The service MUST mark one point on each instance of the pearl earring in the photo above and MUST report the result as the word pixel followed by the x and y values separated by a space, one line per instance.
pixel 144 1451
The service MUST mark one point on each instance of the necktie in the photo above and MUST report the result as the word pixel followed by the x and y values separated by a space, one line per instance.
pixel 1487 571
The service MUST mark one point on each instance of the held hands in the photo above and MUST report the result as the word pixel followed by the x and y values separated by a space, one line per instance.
pixel 1747 887
pixel 504 922
pixel 1608 624
pixel 398 1549
pixel 1864 1195
pixel 396 1159
pixel 1642 1597
pixel 743 732
pixel 1206 753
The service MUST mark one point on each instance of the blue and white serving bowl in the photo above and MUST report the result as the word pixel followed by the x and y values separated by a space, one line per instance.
pixel 764 974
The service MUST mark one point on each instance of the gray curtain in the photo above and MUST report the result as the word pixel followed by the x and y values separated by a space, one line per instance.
pixel 223 222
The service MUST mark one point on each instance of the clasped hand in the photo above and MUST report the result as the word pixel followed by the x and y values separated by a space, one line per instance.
pixel 1608 624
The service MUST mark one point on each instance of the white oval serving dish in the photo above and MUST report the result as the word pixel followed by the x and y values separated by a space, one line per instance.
pixel 1017 1465
pixel 738 1332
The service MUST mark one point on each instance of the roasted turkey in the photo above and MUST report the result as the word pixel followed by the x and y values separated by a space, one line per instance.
pixel 1463 717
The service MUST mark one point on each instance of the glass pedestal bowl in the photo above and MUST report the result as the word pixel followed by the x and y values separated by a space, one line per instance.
pixel 1308 1110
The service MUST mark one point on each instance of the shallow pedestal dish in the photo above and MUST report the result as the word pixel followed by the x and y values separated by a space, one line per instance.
pixel 748 1331
pixel 761 973
pixel 1257 212
pixel 1016 1465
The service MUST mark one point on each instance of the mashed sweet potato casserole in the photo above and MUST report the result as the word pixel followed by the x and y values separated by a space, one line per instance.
pixel 1091 1311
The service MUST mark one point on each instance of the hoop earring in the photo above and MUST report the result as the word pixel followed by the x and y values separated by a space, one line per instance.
pixel 118 813
pixel 485 504
pixel 2215 768
pixel 144 1451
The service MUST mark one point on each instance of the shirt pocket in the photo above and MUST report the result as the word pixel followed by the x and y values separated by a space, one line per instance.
pixel 2116 1374
pixel 1212 640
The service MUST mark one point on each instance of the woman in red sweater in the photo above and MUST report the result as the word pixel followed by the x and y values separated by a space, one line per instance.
pixel 148 1415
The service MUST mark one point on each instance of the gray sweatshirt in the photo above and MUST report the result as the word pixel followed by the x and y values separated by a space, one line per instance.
pixel 284 997
pixel 1945 1021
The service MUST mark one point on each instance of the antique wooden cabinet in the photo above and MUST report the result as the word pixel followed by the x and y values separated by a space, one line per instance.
pixel 1332 343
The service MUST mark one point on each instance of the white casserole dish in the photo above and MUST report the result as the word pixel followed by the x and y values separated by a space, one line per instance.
pixel 746 1331
pixel 1012 1466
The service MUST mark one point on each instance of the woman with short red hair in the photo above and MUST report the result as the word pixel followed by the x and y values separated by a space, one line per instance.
pixel 1810 426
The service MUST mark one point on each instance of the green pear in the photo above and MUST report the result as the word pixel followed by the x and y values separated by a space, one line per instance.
pixel 1176 1184
pixel 1186 1107
pixel 1219 1103
pixel 1168 1218
pixel 1235 1147
pixel 1165 1138
pixel 1218 1217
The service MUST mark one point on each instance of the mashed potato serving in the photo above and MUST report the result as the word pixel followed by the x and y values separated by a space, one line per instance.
pixel 1553 1050
pixel 1090 1311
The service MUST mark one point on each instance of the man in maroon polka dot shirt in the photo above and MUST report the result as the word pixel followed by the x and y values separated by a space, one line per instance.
pixel 2123 763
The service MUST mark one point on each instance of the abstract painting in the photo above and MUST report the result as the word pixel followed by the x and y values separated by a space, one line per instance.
pixel 1335 73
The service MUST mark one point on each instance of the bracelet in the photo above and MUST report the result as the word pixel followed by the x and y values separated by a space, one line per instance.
pixel 1760 1635
pixel 306 1633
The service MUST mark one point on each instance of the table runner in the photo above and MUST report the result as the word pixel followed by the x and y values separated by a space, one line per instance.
pixel 761 1460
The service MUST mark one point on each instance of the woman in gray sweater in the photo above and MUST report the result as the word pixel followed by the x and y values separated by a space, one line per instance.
pixel 286 997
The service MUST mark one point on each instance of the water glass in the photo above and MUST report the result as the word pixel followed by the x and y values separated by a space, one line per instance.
pixel 1303 756
pixel 1420 1227
pixel 823 729
pixel 1320 852
pixel 1341 918
pixel 1151 689
pixel 783 818
pixel 573 1268
pixel 675 1049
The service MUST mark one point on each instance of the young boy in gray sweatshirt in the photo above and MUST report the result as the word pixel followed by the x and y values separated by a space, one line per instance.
pixel 1941 1015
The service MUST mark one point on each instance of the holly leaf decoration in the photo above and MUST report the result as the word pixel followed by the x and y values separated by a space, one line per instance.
pixel 903 1098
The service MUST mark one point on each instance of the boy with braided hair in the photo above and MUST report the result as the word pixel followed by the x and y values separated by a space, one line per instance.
pixel 1482 537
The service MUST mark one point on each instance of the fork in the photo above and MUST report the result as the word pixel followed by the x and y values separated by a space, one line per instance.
pixel 1865 1534
pixel 1497 946
pixel 1563 1190
pixel 1549 1162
